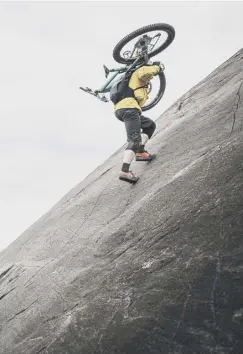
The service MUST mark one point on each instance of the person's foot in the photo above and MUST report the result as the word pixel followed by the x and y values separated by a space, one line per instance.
pixel 128 177
pixel 144 156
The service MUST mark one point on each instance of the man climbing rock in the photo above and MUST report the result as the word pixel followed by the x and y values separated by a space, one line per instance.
pixel 132 96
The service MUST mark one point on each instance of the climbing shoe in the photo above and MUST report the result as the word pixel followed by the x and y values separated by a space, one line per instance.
pixel 128 177
pixel 144 156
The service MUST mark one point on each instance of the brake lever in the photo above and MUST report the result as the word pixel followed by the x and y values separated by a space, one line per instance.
pixel 103 99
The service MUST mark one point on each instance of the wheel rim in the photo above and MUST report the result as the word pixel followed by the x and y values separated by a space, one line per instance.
pixel 158 88
pixel 154 39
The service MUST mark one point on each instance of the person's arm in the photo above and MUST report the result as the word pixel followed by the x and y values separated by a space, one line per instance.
pixel 145 73
pixel 141 96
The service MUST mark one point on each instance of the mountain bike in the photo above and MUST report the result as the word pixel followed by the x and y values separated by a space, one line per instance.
pixel 144 41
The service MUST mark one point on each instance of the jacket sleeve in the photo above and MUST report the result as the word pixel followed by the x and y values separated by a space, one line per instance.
pixel 145 73
pixel 141 96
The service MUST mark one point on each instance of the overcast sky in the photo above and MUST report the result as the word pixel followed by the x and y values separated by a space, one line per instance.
pixel 52 134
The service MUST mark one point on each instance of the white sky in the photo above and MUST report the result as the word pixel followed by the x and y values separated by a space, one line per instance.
pixel 52 134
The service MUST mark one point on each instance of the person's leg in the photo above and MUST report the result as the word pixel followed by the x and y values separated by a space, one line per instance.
pixel 132 122
pixel 148 127
pixel 131 119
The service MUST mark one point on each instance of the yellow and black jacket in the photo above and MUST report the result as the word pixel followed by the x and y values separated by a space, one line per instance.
pixel 139 78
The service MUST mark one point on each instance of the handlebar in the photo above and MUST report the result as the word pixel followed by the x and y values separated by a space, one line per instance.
pixel 94 93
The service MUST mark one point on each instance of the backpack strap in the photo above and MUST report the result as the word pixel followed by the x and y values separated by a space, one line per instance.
pixel 145 86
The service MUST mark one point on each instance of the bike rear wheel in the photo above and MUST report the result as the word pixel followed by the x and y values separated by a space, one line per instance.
pixel 159 95
pixel 161 27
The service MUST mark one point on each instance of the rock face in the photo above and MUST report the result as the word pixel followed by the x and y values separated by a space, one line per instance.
pixel 151 268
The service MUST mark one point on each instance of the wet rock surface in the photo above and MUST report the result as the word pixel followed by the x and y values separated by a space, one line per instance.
pixel 151 268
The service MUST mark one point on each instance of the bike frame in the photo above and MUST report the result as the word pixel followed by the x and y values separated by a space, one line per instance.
pixel 140 61
pixel 106 87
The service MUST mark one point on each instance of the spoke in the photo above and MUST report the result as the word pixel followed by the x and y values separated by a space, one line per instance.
pixel 158 35
pixel 133 51
pixel 143 44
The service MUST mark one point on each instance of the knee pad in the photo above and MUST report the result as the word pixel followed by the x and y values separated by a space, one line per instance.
pixel 150 130
pixel 135 143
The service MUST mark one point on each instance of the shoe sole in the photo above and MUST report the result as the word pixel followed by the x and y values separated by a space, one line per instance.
pixel 146 160
pixel 128 180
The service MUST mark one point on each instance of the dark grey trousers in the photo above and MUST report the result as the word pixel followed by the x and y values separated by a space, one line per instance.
pixel 134 123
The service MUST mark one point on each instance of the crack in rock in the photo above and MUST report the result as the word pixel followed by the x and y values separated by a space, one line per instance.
pixel 41 350
pixel 21 311
pixel 237 107
pixel 182 102
pixel 6 271
pixel 5 294
pixel 182 316
pixel 213 297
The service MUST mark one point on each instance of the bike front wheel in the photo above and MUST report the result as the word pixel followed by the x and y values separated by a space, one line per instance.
pixel 162 33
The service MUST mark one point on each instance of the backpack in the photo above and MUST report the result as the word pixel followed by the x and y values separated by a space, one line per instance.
pixel 120 89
